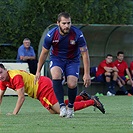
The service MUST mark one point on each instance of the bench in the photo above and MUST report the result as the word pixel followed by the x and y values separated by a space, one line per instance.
pixel 95 87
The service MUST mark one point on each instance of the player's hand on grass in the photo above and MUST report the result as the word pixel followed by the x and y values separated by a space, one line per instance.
pixel 8 114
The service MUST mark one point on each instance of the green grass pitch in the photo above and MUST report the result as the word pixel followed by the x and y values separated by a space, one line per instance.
pixel 34 118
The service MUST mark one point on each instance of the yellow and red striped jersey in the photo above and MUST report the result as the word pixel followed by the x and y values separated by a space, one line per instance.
pixel 19 79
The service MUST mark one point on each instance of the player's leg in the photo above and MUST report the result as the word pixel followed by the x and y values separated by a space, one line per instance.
pixel 88 101
pixel 129 83
pixel 72 74
pixel 121 82
pixel 114 80
pixel 94 101
pixel 83 104
pixel 55 109
pixel 50 103
pixel 56 69
pixel 77 99
pixel 46 95
pixel 82 96
pixel 111 91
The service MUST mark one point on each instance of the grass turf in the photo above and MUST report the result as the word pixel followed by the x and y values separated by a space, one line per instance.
pixel 33 118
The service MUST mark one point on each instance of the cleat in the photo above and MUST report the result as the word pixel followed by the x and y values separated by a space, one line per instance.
pixel 110 94
pixel 85 95
pixel 70 113
pixel 63 111
pixel 98 104
pixel 129 94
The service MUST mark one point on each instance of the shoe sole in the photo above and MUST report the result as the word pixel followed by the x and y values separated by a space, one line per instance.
pixel 100 105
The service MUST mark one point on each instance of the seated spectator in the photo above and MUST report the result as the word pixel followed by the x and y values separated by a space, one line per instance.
pixel 131 71
pixel 122 67
pixel 131 68
pixel 107 73
pixel 26 54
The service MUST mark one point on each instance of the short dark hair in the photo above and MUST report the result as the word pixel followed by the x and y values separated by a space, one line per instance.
pixel 120 52
pixel 63 14
pixel 109 55
pixel 26 39
pixel 2 66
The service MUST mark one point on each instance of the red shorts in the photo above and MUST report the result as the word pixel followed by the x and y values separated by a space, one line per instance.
pixel 45 93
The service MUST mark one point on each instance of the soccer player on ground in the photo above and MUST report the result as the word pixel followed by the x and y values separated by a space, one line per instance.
pixel 23 82
pixel 66 43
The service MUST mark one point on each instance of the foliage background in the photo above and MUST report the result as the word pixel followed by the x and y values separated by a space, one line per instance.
pixel 29 18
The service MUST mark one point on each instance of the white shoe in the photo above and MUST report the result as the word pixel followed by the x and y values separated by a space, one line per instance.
pixel 63 111
pixel 110 94
pixel 70 113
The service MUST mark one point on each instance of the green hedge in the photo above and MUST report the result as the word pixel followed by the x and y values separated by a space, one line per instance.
pixel 29 18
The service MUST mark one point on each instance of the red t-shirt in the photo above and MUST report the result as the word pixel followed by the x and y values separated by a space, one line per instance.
pixel 131 66
pixel 121 66
pixel 101 66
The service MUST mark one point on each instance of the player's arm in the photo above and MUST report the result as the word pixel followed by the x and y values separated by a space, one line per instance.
pixel 115 69
pixel 131 72
pixel 42 58
pixel 20 100
pixel 129 75
pixel 108 69
pixel 25 58
pixel 1 95
pixel 86 63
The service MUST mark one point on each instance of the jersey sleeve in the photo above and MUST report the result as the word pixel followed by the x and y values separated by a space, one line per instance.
pixel 18 82
pixel 48 38
pixel 131 66
pixel 126 65
pixel 103 64
pixel 2 86
pixel 81 40
pixel 47 42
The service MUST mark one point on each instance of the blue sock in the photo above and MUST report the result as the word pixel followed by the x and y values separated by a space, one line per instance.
pixel 59 92
pixel 132 90
pixel 110 88
pixel 113 84
pixel 124 90
pixel 71 96
pixel 108 84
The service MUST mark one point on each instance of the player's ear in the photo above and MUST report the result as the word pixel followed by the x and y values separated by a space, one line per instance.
pixel 58 23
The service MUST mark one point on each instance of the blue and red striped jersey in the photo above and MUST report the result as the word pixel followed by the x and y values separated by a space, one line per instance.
pixel 64 47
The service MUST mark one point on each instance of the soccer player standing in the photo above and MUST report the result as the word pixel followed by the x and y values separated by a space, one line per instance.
pixel 66 43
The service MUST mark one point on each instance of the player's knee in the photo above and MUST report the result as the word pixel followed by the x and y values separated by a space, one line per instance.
pixel 115 73
pixel 72 85
pixel 107 74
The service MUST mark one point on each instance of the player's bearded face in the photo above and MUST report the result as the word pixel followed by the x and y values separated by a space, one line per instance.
pixel 64 25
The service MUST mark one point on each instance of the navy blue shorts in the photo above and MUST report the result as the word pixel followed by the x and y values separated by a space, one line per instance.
pixel 100 78
pixel 68 67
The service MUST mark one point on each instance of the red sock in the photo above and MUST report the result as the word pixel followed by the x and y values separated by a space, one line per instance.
pixel 83 104
pixel 77 99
